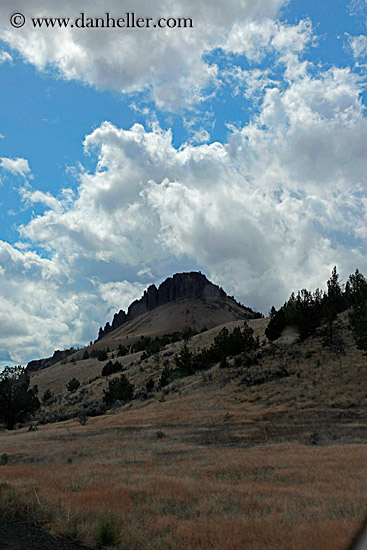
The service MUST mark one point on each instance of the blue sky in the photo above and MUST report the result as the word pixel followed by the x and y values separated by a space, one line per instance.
pixel 237 147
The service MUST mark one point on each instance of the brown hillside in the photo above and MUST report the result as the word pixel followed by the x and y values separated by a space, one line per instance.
pixel 88 371
pixel 320 378
pixel 231 458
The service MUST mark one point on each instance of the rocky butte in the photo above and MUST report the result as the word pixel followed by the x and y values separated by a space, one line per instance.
pixel 181 286
pixel 213 307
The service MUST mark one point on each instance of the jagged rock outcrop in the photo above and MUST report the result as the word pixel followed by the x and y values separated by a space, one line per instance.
pixel 180 286
pixel 58 355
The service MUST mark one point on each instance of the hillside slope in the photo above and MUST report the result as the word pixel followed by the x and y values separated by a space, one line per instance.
pixel 307 380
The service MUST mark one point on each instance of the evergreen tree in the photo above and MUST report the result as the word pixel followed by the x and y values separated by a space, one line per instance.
pixel 165 378
pixel 102 355
pixel 119 389
pixel 334 301
pixel 73 384
pixel 17 401
pixel 355 287
pixel 122 351
pixel 184 361
pixel 111 368
pixel 306 311
pixel 358 319
pixel 149 386
pixel 276 324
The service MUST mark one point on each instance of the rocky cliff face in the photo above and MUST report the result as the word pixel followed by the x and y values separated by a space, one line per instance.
pixel 180 286
pixel 58 355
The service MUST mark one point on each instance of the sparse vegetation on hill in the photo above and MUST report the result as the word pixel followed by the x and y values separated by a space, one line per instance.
pixel 58 355
pixel 307 310
pixel 150 346
pixel 226 344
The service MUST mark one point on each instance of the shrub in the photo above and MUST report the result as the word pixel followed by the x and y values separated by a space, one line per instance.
pixel 111 368
pixel 150 384
pixel 82 418
pixel 223 363
pixel 107 534
pixel 314 438
pixel 95 409
pixel 47 395
pixel 73 384
pixel 4 459
pixel 122 351
pixel 152 347
pixel 102 355
pixel 85 355
pixel 165 377
pixel 118 389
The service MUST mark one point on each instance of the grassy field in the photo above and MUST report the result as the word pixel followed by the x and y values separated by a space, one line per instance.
pixel 184 477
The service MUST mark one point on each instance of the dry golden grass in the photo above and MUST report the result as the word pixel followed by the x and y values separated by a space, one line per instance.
pixel 179 491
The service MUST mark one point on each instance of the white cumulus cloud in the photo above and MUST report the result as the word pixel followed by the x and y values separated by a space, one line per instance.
pixel 276 206
pixel 5 57
pixel 168 63
pixel 17 166
pixel 358 45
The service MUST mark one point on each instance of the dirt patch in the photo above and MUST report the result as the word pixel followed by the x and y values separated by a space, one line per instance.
pixel 288 336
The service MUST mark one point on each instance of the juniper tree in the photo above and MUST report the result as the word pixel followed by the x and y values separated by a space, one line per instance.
pixel 17 401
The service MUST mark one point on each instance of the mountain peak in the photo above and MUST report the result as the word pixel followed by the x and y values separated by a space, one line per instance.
pixel 193 284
